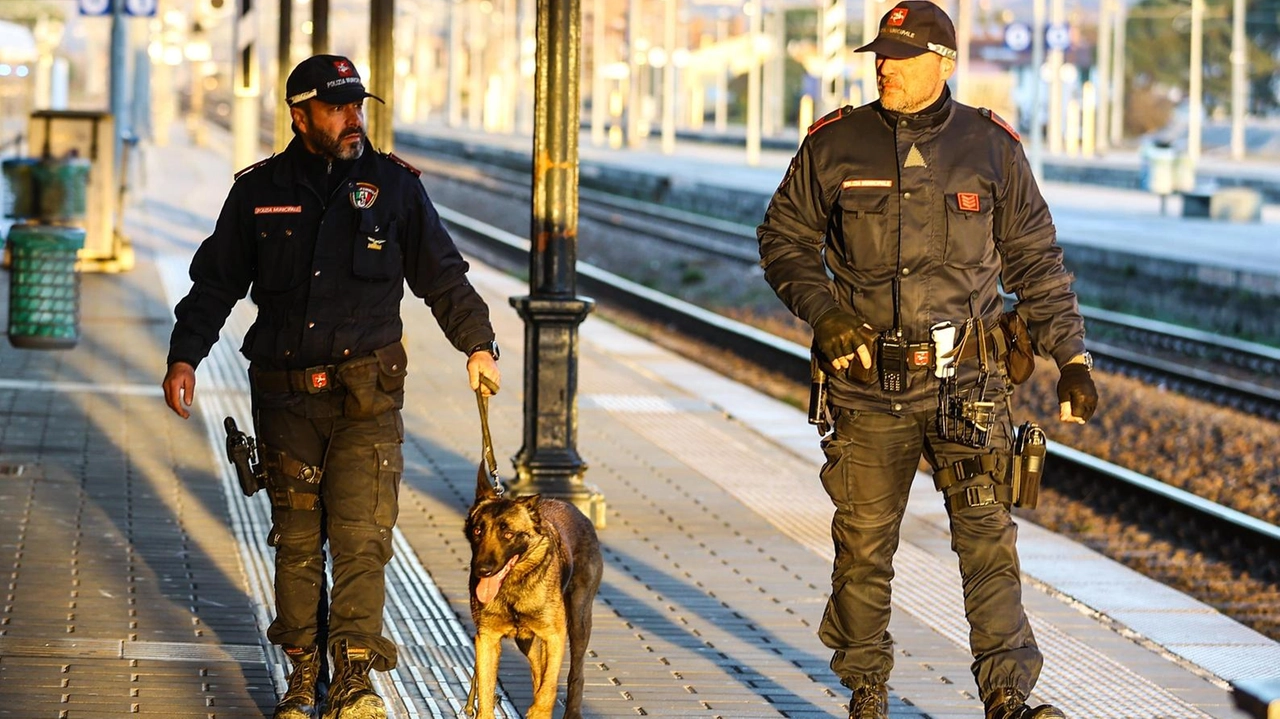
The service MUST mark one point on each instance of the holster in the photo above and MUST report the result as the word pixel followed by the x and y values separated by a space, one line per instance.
pixel 819 407
pixel 242 453
pixel 953 481
pixel 296 485
pixel 1029 451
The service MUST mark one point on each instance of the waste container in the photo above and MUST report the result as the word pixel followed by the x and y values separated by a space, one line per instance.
pixel 44 289
pixel 64 187
pixel 1158 169
pixel 20 188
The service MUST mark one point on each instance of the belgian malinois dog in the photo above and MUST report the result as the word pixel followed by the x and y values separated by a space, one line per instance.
pixel 535 569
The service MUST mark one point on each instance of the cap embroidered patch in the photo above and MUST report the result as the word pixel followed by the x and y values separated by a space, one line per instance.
pixel 914 27
pixel 968 201
pixel 363 197
pixel 329 78
pixel 278 210
pixel 849 184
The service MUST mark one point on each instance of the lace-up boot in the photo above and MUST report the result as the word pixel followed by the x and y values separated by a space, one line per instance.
pixel 870 701
pixel 306 685
pixel 1012 704
pixel 351 696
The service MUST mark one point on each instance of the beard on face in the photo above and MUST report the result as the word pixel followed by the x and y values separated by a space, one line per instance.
pixel 334 145
pixel 900 97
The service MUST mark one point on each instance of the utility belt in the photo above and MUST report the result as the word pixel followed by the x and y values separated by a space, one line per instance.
pixel 312 380
pixel 891 359
pixel 374 383
pixel 924 355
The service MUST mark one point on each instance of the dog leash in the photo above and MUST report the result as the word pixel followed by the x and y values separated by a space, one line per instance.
pixel 482 401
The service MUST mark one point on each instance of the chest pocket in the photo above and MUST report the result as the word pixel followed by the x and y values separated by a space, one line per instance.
pixel 969 227
pixel 280 264
pixel 864 229
pixel 376 255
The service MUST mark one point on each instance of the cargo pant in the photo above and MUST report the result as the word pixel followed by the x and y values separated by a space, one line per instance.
pixel 871 459
pixel 353 507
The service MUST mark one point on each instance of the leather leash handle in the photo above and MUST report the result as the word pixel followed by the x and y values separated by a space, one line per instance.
pixel 482 401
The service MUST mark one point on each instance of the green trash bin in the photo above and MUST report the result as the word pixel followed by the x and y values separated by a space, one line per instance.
pixel 20 188
pixel 44 288
pixel 63 189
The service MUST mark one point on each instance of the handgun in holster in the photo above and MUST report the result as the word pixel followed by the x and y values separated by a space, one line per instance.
pixel 1029 448
pixel 243 454
pixel 819 409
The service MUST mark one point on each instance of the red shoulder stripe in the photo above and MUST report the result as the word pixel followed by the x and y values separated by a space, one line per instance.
pixel 400 161
pixel 829 118
pixel 252 167
pixel 1000 121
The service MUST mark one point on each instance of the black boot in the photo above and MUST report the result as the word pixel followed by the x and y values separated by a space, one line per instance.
pixel 351 696
pixel 1012 704
pixel 870 701
pixel 306 685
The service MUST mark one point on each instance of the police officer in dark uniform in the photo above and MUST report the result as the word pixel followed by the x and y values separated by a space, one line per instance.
pixel 324 235
pixel 889 236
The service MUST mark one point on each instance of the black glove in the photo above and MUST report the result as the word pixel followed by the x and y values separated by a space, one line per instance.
pixel 1075 385
pixel 839 334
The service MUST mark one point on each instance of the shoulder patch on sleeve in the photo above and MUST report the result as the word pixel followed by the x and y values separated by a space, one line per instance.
pixel 252 167
pixel 987 113
pixel 400 161
pixel 830 117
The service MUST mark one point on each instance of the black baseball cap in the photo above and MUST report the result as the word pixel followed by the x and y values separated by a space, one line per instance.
pixel 911 28
pixel 328 78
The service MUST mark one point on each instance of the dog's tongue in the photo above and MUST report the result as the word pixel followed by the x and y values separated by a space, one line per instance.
pixel 488 587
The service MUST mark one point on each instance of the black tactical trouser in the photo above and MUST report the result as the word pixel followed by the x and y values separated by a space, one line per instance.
pixel 354 507
pixel 871 460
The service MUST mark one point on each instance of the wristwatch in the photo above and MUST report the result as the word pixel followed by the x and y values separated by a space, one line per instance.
pixel 1086 359
pixel 491 347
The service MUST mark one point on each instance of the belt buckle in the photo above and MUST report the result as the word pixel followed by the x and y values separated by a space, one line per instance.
pixel 921 355
pixel 318 379
pixel 980 495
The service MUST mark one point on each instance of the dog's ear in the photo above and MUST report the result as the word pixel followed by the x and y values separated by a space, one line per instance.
pixel 484 486
pixel 531 504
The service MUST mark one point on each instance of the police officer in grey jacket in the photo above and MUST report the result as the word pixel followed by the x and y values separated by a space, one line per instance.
pixel 890 235
pixel 325 236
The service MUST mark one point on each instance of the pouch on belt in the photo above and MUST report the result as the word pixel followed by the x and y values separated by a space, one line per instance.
pixel 374 384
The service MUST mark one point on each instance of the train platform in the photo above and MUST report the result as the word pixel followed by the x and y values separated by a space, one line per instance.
pixel 139 580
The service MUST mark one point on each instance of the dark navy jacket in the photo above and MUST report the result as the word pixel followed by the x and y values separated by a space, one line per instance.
pixel 943 200
pixel 327 272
